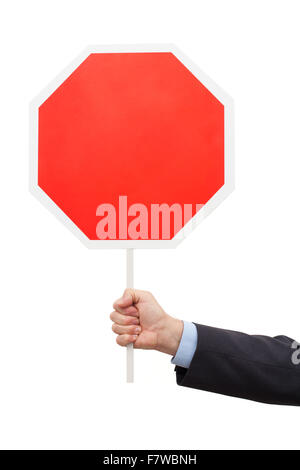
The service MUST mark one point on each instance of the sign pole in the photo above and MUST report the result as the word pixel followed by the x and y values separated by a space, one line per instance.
pixel 129 283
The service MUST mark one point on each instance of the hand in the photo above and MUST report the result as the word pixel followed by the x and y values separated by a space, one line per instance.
pixel 139 319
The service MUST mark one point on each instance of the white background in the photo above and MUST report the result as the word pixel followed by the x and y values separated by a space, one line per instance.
pixel 61 373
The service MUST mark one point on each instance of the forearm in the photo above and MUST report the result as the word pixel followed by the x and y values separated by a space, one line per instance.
pixel 253 367
pixel 169 336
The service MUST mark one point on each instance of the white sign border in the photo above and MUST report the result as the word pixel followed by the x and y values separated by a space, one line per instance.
pixel 220 195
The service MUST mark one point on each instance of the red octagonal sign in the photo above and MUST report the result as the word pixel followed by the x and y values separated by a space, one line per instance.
pixel 132 146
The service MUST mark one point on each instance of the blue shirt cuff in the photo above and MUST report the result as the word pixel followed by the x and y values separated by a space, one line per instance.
pixel 187 346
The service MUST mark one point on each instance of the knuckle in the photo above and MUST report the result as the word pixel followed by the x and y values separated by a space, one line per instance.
pixel 127 292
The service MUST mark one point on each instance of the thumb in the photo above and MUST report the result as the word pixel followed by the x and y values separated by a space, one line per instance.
pixel 129 298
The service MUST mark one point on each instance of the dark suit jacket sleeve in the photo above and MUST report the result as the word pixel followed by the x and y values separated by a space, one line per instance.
pixel 253 367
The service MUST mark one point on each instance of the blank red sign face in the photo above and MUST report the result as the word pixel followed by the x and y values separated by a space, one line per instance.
pixel 139 126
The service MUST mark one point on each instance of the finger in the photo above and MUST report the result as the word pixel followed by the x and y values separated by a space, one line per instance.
pixel 133 311
pixel 126 329
pixel 123 340
pixel 121 319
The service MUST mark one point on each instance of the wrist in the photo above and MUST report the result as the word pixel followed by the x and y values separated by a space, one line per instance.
pixel 170 336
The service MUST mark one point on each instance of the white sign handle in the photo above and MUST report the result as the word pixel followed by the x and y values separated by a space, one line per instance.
pixel 129 283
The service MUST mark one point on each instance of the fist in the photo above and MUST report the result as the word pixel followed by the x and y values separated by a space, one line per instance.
pixel 139 319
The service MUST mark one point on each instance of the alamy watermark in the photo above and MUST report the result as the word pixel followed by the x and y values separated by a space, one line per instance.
pixel 296 353
pixel 141 222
